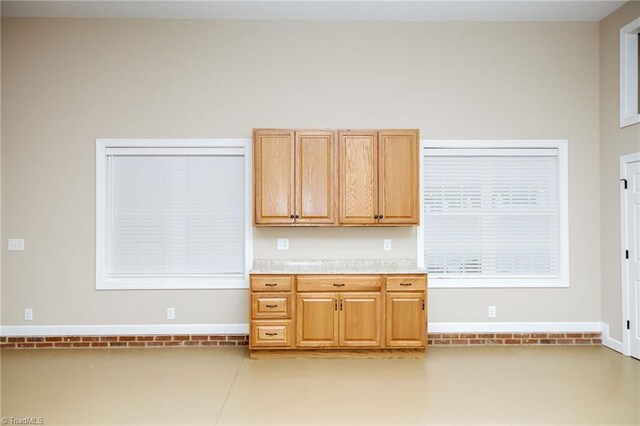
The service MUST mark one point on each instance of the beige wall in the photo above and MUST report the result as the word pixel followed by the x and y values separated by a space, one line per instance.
pixel 67 82
pixel 614 142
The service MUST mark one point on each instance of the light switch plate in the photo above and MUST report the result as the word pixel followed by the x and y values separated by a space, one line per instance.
pixel 171 313
pixel 28 314
pixel 387 244
pixel 15 244
pixel 492 312
pixel 283 244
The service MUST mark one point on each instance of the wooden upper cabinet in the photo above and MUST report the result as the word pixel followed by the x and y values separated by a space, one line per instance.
pixel 274 176
pixel 358 158
pixel 398 171
pixel 295 177
pixel 316 182
pixel 324 178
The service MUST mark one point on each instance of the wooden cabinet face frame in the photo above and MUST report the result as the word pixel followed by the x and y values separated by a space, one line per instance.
pixel 338 311
pixel 336 178
pixel 295 177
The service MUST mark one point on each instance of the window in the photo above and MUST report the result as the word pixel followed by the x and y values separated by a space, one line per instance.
pixel 172 214
pixel 494 213
pixel 629 68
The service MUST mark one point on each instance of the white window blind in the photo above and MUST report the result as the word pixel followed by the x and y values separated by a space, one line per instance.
pixel 492 213
pixel 174 213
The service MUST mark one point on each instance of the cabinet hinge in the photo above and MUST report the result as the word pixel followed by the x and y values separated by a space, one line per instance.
pixel 625 183
pixel 423 304
pixel 628 325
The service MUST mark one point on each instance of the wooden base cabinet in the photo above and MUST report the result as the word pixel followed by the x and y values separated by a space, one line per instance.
pixel 360 320
pixel 406 320
pixel 317 320
pixel 364 312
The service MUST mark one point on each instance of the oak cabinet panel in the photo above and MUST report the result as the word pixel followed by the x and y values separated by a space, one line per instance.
pixel 360 319
pixel 315 177
pixel 274 175
pixel 271 305
pixel 271 333
pixel 398 177
pixel 328 283
pixel 406 283
pixel 406 320
pixel 317 320
pixel 358 158
pixel 271 282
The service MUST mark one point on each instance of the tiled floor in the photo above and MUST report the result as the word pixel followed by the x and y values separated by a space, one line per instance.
pixel 477 385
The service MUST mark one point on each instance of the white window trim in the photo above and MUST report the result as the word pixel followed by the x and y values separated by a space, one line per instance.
pixel 563 280
pixel 629 113
pixel 221 282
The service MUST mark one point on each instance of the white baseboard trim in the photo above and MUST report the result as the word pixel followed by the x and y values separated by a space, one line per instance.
pixel 514 327
pixel 121 330
pixel 608 341
pixel 160 329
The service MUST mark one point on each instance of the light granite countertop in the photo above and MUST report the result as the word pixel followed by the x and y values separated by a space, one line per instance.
pixel 357 266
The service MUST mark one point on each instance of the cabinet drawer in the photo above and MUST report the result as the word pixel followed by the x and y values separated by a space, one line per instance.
pixel 271 305
pixel 271 283
pixel 406 283
pixel 271 333
pixel 339 282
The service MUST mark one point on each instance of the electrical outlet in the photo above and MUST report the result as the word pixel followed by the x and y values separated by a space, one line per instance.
pixel 283 244
pixel 28 314
pixel 492 312
pixel 15 245
pixel 387 244
pixel 171 313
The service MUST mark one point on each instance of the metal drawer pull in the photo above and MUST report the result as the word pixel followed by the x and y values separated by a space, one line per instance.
pixel 338 285
pixel 271 284
pixel 271 306
pixel 271 334
pixel 405 284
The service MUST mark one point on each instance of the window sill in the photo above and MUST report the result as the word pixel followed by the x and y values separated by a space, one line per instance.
pixel 173 284
pixel 435 282
pixel 629 121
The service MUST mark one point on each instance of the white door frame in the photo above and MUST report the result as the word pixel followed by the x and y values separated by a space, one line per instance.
pixel 626 335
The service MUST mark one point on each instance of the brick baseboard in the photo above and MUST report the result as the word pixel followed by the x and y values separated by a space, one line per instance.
pixel 59 342
pixel 148 341
pixel 448 339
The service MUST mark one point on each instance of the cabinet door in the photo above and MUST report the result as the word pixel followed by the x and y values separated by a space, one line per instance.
pixel 316 177
pixel 317 320
pixel 273 168
pixel 406 320
pixel 360 319
pixel 358 158
pixel 398 169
